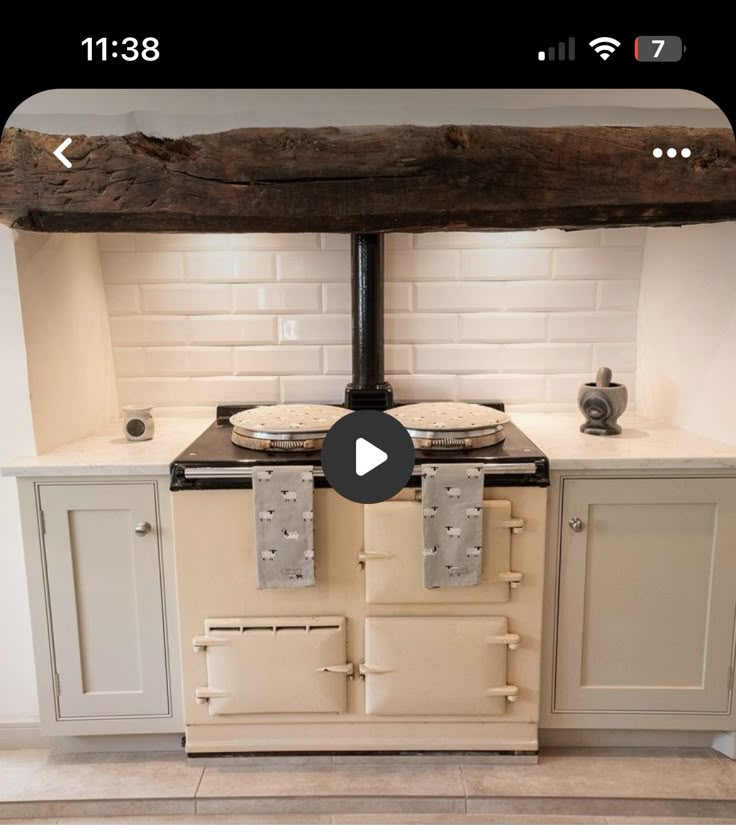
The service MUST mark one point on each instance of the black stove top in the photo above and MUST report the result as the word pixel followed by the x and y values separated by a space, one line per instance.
pixel 213 461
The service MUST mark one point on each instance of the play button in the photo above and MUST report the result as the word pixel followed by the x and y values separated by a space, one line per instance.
pixel 367 457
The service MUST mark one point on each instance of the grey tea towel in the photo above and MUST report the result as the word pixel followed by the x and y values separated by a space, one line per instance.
pixel 452 510
pixel 283 497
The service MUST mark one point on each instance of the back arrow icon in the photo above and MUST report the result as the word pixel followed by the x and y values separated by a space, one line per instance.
pixel 59 152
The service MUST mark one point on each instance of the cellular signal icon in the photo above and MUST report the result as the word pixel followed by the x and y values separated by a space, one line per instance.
pixel 605 47
pixel 562 52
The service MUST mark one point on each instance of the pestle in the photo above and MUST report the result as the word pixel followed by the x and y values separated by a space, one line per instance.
pixel 603 377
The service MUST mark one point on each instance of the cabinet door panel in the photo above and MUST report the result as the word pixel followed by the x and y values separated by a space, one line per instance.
pixel 105 600
pixel 646 595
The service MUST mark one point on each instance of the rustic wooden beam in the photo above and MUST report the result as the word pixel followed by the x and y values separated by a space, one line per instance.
pixel 404 178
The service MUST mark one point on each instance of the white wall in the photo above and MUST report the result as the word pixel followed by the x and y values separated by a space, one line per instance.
pixel 67 336
pixel 687 329
pixel 525 316
pixel 18 703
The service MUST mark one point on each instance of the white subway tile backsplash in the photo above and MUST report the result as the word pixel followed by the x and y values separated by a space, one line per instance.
pixel 313 266
pixel 116 241
pixel 229 266
pixel 188 362
pixel 129 362
pixel 421 327
pixel 177 242
pixel 336 298
pixel 563 388
pixel 209 391
pixel 278 359
pixel 122 298
pixel 149 330
pixel 502 327
pixel 461 296
pixel 157 392
pixel 198 391
pixel 398 240
pixel 186 298
pixel 142 267
pixel 280 242
pixel 338 359
pixel 397 297
pixel 421 265
pixel 505 263
pixel 620 356
pixel 546 358
pixel 424 386
pixel 550 295
pixel 630 236
pixel 619 262
pixel 320 329
pixel 232 330
pixel 276 298
pixel 457 359
pixel 484 240
pixel 592 327
pixel 331 240
pixel 313 389
pixel 526 388
pixel 519 316
pixel 618 295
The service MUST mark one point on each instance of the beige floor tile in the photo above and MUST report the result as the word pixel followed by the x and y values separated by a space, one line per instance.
pixel 608 776
pixel 629 751
pixel 39 775
pixel 261 761
pixel 97 808
pixel 429 820
pixel 439 758
pixel 341 781
pixel 28 821
pixel 201 819
pixel 671 821
pixel 601 807
pixel 329 805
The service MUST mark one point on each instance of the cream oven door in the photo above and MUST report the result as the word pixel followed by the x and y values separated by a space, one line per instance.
pixel 392 555
pixel 274 665
pixel 437 665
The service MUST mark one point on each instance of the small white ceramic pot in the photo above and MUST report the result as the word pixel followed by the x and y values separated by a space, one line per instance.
pixel 138 423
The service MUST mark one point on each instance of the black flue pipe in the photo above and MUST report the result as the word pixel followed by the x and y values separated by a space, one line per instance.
pixel 368 389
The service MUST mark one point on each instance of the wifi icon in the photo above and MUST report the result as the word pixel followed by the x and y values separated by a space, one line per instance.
pixel 605 47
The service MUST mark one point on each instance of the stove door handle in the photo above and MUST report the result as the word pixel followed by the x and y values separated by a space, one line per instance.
pixel 510 691
pixel 372 669
pixel 345 669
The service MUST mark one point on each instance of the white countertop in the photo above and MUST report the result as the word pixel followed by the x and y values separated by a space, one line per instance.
pixel 644 444
pixel 109 453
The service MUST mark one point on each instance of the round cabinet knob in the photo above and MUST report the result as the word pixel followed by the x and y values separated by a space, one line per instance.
pixel 143 528
pixel 576 524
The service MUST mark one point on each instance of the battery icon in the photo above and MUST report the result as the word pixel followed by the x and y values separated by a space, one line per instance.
pixel 658 48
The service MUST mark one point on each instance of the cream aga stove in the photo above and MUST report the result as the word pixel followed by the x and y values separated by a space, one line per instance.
pixel 312 623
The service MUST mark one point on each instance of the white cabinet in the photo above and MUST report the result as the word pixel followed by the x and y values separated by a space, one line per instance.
pixel 103 605
pixel 643 591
